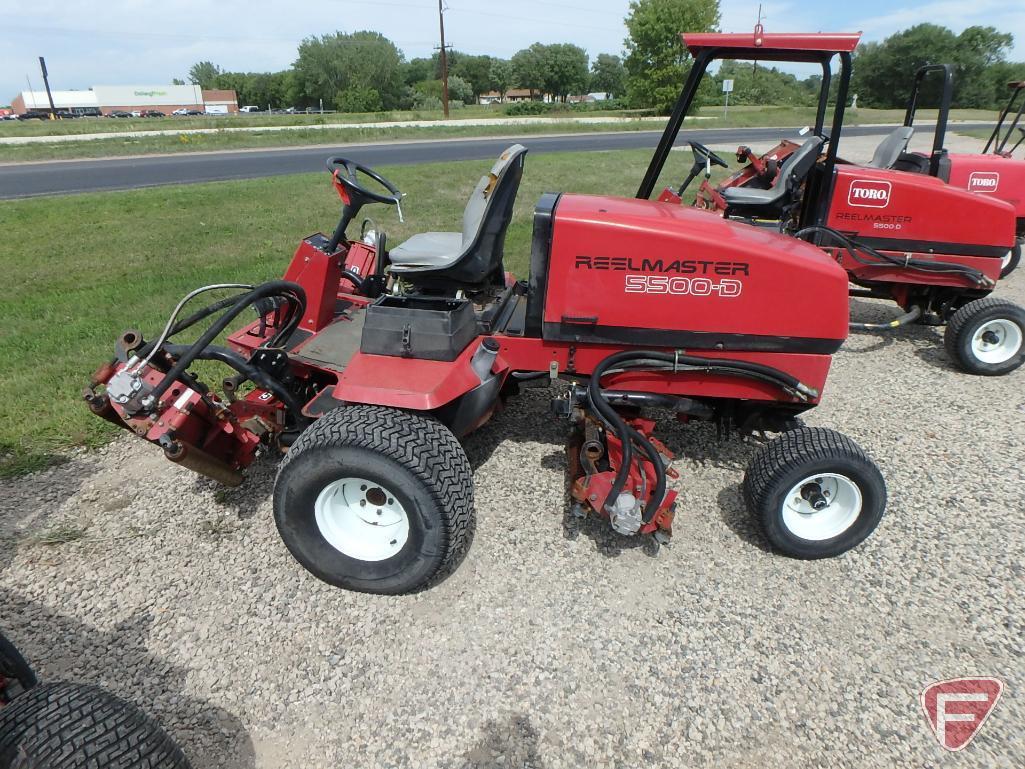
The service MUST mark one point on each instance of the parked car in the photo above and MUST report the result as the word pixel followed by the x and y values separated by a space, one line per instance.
pixel 119 113
pixel 152 113
pixel 250 108
pixel 34 114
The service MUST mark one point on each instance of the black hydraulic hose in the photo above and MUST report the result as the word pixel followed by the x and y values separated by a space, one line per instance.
pixel 628 435
pixel 914 314
pixel 209 310
pixel 613 420
pixel 659 493
pixel 241 303
pixel 246 369
pixel 852 247
pixel 356 280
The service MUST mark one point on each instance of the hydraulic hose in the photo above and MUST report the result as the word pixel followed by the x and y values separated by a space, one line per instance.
pixel 241 303
pixel 246 369
pixel 680 362
pixel 852 247
pixel 914 314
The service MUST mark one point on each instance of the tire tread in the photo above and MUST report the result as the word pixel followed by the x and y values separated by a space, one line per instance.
pixel 422 445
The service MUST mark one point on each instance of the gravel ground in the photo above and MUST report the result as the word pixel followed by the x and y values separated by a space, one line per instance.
pixel 557 644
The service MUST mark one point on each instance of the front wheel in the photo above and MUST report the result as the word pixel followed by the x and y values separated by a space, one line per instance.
pixel 1011 260
pixel 815 493
pixel 987 336
pixel 375 499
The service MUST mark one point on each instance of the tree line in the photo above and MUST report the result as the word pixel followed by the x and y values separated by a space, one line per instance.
pixel 366 72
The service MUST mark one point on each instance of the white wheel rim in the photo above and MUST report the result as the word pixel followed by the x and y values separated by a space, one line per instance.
pixel 842 506
pixel 1006 260
pixel 361 519
pixel 997 341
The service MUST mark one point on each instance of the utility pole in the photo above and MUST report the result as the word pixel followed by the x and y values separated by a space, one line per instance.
pixel 46 82
pixel 444 59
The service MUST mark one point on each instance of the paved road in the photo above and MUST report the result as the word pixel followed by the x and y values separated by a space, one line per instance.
pixel 23 180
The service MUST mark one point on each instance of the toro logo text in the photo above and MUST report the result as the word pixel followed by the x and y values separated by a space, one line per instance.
pixel 868 193
pixel 983 181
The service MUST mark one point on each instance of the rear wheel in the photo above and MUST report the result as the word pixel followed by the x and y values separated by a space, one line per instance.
pixel 375 499
pixel 815 493
pixel 77 726
pixel 1010 262
pixel 987 336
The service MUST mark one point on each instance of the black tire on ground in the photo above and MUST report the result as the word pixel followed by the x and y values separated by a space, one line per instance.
pixel 78 726
pixel 14 666
pixel 1007 321
pixel 419 464
pixel 1015 259
pixel 826 459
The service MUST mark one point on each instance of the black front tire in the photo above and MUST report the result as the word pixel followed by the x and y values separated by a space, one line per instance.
pixel 78 726
pixel 13 667
pixel 964 349
pixel 802 454
pixel 415 459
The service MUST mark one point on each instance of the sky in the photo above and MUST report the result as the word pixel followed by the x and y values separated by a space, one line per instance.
pixel 141 42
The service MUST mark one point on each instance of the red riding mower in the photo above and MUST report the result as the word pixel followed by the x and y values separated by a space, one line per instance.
pixel 888 222
pixel 367 363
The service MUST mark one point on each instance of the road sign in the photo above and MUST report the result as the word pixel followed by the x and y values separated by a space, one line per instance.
pixel 727 86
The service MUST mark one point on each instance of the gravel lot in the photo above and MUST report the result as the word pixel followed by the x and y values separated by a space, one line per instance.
pixel 558 644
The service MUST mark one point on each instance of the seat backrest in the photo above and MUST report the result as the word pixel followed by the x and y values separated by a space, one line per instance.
pixel 891 147
pixel 486 218
pixel 796 167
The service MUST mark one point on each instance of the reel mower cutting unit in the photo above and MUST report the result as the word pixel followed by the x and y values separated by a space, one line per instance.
pixel 933 233
pixel 367 363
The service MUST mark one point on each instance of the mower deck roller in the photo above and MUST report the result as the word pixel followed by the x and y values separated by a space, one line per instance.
pixel 367 365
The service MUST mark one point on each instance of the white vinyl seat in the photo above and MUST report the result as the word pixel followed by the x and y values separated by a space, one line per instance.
pixel 473 254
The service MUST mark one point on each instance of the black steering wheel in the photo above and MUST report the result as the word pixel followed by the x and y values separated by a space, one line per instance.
pixel 346 173
pixel 701 151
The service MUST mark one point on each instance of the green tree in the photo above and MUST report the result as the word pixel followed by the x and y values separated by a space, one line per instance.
pixel 766 85
pixel 501 76
pixel 418 70
pixel 656 61
pixel 332 65
pixel 203 74
pixel 528 69
pixel 177 81
pixel 608 75
pixel 475 70
pixel 883 71
pixel 359 98
pixel 565 67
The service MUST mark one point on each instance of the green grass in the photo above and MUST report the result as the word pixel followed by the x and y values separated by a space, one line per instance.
pixel 119 145
pixel 83 268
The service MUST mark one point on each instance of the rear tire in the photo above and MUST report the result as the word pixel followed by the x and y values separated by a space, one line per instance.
pixel 808 466
pixel 987 337
pixel 16 674
pixel 77 726
pixel 375 499
pixel 1010 262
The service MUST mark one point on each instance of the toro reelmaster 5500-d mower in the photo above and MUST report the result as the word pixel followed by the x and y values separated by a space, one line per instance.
pixel 368 363
pixel 908 228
